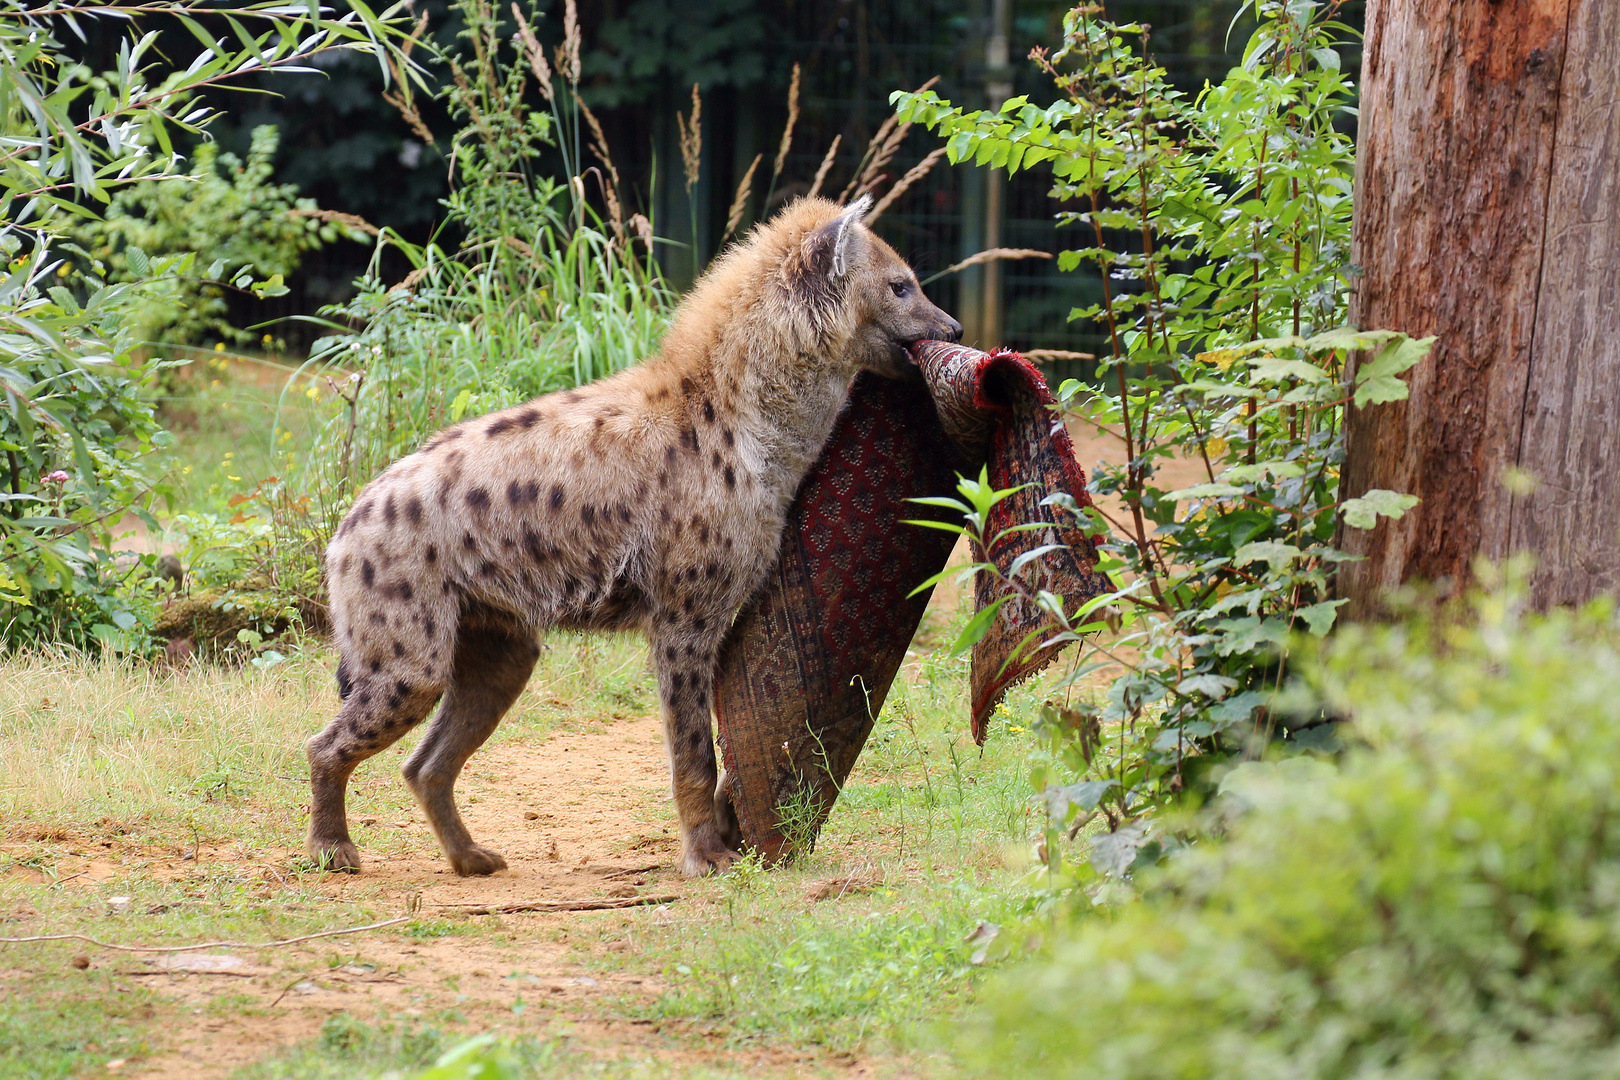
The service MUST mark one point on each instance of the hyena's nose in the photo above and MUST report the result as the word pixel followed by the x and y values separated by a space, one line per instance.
pixel 953 330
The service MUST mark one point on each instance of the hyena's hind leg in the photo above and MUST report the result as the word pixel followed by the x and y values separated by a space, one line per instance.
pixel 381 702
pixel 492 664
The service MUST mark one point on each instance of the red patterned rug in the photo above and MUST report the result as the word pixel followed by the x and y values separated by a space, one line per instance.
pixel 809 663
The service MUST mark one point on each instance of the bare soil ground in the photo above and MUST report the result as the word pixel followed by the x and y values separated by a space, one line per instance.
pixel 583 815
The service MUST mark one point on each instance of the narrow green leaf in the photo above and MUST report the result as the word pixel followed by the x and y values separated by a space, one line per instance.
pixel 977 627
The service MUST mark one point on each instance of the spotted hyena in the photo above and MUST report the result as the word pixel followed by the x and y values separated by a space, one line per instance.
pixel 651 500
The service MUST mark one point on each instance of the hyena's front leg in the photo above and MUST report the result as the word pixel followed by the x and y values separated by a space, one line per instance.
pixel 685 657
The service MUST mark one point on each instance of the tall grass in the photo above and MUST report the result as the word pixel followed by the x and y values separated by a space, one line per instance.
pixel 502 320
pixel 542 293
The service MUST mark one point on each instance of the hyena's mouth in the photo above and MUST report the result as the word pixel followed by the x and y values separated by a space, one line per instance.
pixel 914 350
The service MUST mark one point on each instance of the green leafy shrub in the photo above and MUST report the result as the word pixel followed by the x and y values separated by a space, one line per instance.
pixel 80 448
pixel 79 441
pixel 1220 228
pixel 242 228
pixel 238 599
pixel 1444 903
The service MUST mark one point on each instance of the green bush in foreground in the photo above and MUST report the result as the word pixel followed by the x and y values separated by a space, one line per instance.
pixel 1445 902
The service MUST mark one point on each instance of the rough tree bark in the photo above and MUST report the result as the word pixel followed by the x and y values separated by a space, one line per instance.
pixel 1488 213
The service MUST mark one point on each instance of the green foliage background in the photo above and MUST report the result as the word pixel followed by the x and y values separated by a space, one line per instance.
pixel 231 216
pixel 82 448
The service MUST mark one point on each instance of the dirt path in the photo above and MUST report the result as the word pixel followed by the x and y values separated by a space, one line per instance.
pixel 584 814
pixel 577 815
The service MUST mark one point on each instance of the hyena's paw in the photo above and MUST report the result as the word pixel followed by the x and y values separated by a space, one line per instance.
pixel 339 856
pixel 475 860
pixel 710 858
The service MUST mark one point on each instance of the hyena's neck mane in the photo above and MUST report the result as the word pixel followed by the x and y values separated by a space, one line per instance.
pixel 773 343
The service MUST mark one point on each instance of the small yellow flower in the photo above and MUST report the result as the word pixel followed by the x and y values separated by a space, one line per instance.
pixel 231 478
pixel 64 270
pixel 267 339
pixel 186 471
pixel 219 346
pixel 1215 448
pixel 214 385
pixel 313 393
pixel 286 436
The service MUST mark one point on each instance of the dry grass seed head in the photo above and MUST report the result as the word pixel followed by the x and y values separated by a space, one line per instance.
pixel 787 132
pixel 535 54
pixel 826 164
pixel 643 229
pixel 403 101
pixel 978 258
pixel 407 109
pixel 610 187
pixel 568 51
pixel 691 133
pixel 879 152
pixel 914 174
pixel 740 202
pixel 1039 356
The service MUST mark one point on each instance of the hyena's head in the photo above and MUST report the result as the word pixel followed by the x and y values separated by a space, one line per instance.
pixel 878 294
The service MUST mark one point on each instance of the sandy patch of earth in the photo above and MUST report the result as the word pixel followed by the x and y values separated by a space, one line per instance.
pixel 584 814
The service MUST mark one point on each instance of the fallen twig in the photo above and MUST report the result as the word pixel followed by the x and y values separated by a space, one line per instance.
pixel 630 870
pixel 558 905
pixel 206 944
pixel 286 989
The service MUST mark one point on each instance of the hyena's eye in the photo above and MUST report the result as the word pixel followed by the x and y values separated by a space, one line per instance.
pixel 900 288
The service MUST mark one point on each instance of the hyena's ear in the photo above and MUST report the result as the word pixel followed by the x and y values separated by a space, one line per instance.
pixel 830 250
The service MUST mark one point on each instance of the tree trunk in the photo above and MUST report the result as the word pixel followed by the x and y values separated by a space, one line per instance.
pixel 1488 213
